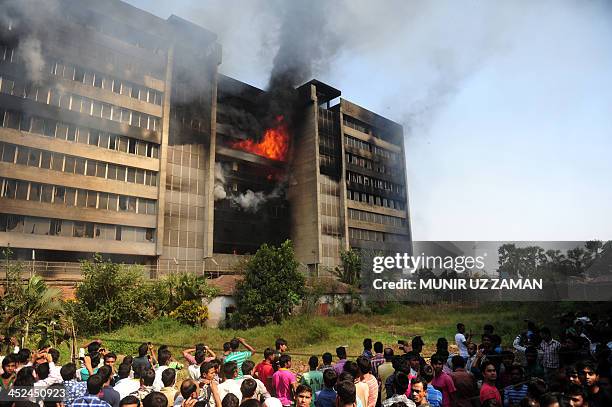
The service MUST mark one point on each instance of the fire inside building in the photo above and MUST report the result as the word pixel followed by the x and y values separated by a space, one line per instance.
pixel 119 136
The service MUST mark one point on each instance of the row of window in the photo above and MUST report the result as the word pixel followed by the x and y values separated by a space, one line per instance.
pixel 370 165
pixel 365 128
pixel 327 160
pixel 59 195
pixel 374 236
pixel 104 81
pixel 51 128
pixel 375 200
pixel 374 182
pixel 371 217
pixel 34 157
pixel 356 143
pixel 68 228
pixel 77 103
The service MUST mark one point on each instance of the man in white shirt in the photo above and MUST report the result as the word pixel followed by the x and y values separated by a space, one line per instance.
pixel 164 360
pixel 230 385
pixel 247 369
pixel 125 385
pixel 462 341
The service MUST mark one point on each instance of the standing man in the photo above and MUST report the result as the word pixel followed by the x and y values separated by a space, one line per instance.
pixel 465 383
pixel 367 348
pixel 264 370
pixel 313 378
pixel 239 356
pixel 549 348
pixel 461 341
pixel 442 381
pixel 303 396
pixel 488 390
pixel 589 377
pixel 418 393
pixel 378 358
pixel 384 371
pixel 284 380
pixel 341 353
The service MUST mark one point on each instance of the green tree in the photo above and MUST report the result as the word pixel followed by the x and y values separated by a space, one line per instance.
pixel 350 271
pixel 110 296
pixel 271 288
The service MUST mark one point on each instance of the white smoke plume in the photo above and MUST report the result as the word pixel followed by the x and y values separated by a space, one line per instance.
pixel 30 52
pixel 219 190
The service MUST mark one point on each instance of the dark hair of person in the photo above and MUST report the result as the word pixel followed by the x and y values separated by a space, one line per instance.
pixel 427 373
pixel 227 346
pixel 42 370
pixel 576 390
pixel 148 377
pixel 303 388
pixel 268 352
pixel 250 403
pixel 549 399
pixel 200 347
pixel 327 358
pixel 68 371
pixel 313 362
pixel 95 358
pixel 168 377
pixel 352 368
pixel 347 394
pixel 142 350
pixel 55 355
pixel 94 384
pixel 229 368
pixel 517 368
pixel 188 387
pixel 545 331
pixel 164 357
pixel 436 358
pixel 93 347
pixel 24 355
pixel 341 352
pixel 460 326
pixel 128 360
pixel 417 380
pixel 345 376
pixel 234 344
pixel 123 371
pixel 388 354
pixel 364 365
pixel 155 399
pixel 110 355
pixel 442 344
pixel 247 367
pixel 230 400
pixel 367 344
pixel 205 367
pixel 200 356
pixel 283 360
pixel 129 400
pixel 25 377
pixel 248 387
pixel 280 342
pixel 378 347
pixel 400 383
pixel 105 373
pixel 458 362
pixel 330 377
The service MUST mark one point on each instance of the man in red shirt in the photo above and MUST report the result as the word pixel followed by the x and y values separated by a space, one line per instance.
pixel 442 381
pixel 488 390
pixel 264 370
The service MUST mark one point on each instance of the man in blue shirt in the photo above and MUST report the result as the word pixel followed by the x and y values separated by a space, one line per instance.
pixel 91 399
pixel 327 396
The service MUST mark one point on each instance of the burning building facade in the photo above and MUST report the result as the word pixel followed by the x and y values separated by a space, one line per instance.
pixel 127 141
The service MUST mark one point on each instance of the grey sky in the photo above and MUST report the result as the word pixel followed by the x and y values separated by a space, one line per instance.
pixel 507 106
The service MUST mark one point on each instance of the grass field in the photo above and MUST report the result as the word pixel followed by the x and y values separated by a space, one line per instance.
pixel 313 335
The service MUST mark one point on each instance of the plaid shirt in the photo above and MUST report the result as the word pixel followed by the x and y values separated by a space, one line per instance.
pixel 74 389
pixel 376 361
pixel 90 400
pixel 550 354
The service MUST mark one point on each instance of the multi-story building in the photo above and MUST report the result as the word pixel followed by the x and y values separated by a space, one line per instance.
pixel 118 136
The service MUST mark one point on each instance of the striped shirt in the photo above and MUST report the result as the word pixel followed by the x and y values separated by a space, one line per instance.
pixel 550 353
pixel 372 383
pixel 376 361
pixel 90 400
pixel 513 395
pixel 239 358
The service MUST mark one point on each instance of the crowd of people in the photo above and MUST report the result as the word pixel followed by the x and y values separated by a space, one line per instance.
pixel 536 369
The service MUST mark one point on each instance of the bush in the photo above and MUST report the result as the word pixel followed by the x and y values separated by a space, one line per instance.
pixel 191 313
pixel 110 296
pixel 271 288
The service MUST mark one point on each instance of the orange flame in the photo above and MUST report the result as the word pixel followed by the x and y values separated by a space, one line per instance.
pixel 274 144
